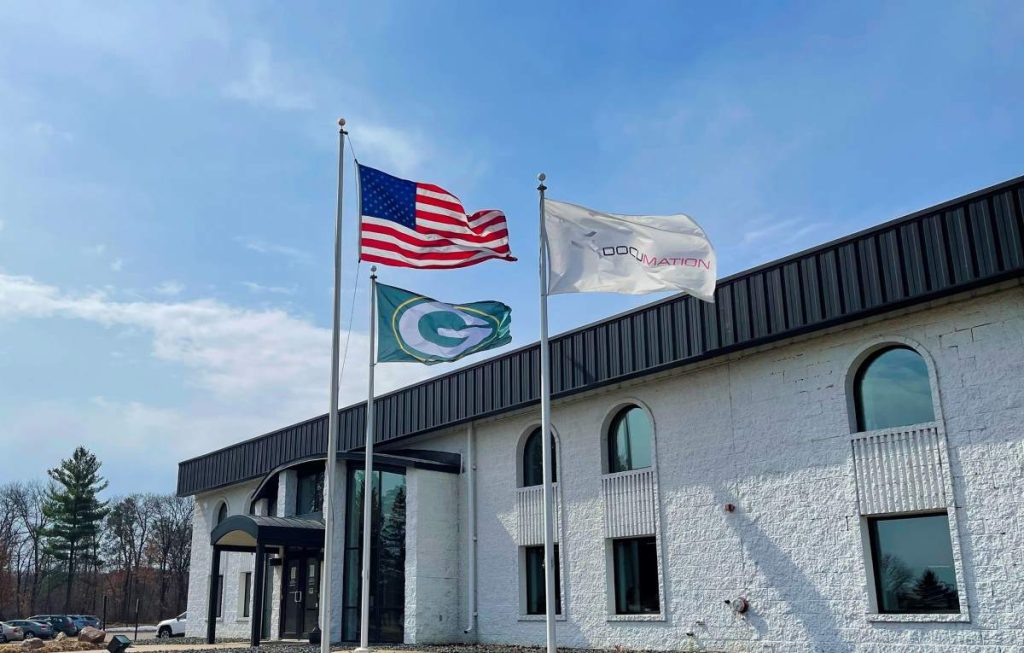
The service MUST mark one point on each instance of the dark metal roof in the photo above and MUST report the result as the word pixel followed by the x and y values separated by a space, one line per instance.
pixel 956 246
pixel 270 530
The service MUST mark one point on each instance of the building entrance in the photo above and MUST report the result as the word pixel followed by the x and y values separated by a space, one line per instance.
pixel 300 598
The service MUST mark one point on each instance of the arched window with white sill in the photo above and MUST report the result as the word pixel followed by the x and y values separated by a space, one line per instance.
pixel 892 388
pixel 904 485
pixel 529 497
pixel 532 462
pixel 630 436
pixel 629 490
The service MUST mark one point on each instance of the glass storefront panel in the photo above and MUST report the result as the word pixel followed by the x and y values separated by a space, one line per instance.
pixel 387 551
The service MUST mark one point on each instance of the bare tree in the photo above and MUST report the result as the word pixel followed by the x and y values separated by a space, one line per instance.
pixel 34 523
pixel 128 527
pixel 171 547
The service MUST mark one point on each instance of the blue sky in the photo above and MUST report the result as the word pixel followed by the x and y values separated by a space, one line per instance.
pixel 167 175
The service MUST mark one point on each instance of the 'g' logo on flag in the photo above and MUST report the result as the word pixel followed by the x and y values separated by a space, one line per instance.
pixel 414 328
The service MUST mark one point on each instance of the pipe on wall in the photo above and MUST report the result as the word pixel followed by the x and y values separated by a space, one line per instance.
pixel 471 530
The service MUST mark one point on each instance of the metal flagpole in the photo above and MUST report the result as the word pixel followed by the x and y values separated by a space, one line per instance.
pixel 364 602
pixel 332 415
pixel 545 427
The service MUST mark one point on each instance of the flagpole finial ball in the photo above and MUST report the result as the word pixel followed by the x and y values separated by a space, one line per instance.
pixel 541 177
pixel 341 122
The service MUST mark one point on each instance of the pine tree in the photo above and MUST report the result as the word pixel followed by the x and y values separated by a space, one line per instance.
pixel 75 514
pixel 933 594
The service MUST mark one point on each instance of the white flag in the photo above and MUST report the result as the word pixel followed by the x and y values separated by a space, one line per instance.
pixel 591 251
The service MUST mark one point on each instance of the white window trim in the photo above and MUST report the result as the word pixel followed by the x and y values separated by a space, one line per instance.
pixel 872 614
pixel 240 610
pixel 560 616
pixel 609 557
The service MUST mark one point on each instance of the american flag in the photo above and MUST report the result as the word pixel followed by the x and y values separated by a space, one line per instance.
pixel 415 225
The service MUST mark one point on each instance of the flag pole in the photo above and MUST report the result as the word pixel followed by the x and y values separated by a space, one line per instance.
pixel 332 414
pixel 364 602
pixel 545 427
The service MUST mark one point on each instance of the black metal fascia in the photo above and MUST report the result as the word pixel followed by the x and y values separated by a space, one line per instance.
pixel 959 245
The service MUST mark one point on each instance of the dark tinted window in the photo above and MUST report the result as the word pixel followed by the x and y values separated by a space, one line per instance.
pixel 222 513
pixel 246 593
pixel 220 595
pixel 629 441
pixel 310 493
pixel 913 560
pixel 535 595
pixel 533 470
pixel 892 389
pixel 636 575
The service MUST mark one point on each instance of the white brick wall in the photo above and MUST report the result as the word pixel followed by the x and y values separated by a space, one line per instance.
pixel 232 565
pixel 431 558
pixel 769 432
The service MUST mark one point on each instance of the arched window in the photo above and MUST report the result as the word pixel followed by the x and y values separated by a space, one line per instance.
pixel 533 469
pixel 222 513
pixel 629 440
pixel 892 388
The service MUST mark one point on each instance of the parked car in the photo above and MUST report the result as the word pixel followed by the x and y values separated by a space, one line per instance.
pixel 83 620
pixel 11 633
pixel 172 627
pixel 40 629
pixel 61 623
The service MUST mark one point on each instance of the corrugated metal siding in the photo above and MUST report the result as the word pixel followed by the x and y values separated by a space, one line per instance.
pixel 953 247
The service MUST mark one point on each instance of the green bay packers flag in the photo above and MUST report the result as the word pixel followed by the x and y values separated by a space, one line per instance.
pixel 416 329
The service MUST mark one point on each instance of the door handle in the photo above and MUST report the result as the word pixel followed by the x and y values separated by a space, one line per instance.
pixel 298 596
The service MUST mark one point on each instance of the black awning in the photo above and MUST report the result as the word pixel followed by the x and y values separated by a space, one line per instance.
pixel 244 531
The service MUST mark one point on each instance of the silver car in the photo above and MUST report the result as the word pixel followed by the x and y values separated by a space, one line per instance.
pixel 10 633
pixel 40 629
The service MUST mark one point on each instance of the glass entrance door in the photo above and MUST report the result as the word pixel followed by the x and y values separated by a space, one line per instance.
pixel 291 599
pixel 300 600
pixel 387 557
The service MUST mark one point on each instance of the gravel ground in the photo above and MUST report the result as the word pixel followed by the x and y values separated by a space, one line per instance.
pixel 296 647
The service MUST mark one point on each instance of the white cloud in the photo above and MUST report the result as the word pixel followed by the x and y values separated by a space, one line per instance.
pixel 46 132
pixel 243 358
pixel 263 247
pixel 267 82
pixel 785 232
pixel 95 250
pixel 117 264
pixel 170 288
pixel 274 290
pixel 396 150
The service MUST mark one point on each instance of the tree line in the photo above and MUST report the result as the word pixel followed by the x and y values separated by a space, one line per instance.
pixel 63 547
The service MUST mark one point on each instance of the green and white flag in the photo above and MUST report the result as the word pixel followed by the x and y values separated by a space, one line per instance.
pixel 416 329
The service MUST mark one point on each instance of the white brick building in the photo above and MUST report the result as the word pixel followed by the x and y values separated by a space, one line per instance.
pixel 830 458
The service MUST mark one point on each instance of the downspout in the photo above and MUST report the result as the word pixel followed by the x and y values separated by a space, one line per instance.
pixel 471 531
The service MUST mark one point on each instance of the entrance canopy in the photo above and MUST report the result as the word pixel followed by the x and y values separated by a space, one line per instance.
pixel 255 534
pixel 245 532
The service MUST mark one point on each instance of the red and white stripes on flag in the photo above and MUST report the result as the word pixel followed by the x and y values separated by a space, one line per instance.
pixel 418 225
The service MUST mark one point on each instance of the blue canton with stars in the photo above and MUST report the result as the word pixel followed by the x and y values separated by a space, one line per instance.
pixel 388 198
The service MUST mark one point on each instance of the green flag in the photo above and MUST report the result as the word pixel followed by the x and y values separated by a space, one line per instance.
pixel 416 329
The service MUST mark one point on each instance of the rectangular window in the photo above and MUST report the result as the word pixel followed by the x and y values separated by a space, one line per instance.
pixel 220 596
pixel 635 563
pixel 533 560
pixel 309 497
pixel 912 559
pixel 246 592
